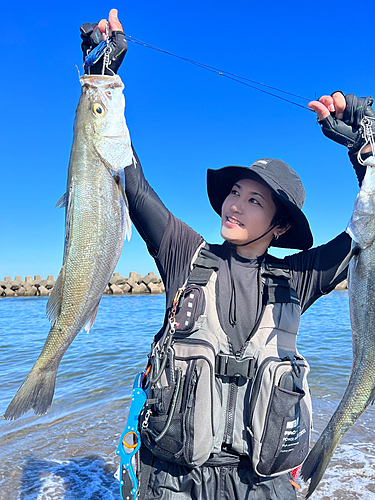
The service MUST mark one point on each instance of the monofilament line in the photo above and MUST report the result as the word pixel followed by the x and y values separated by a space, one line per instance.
pixel 227 74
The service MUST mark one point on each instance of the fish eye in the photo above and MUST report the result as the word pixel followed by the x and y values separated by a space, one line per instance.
pixel 98 110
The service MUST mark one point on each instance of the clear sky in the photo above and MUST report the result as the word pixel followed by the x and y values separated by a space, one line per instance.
pixel 182 119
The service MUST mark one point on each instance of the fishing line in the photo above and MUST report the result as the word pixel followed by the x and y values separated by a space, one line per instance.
pixel 226 74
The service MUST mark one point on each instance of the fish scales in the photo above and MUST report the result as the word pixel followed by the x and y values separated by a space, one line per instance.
pixel 360 391
pixel 96 224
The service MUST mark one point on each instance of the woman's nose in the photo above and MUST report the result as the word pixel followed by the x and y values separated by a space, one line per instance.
pixel 236 207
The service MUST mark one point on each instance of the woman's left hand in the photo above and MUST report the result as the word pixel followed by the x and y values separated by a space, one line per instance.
pixel 340 117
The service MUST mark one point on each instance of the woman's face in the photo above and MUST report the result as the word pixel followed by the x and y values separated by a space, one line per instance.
pixel 247 213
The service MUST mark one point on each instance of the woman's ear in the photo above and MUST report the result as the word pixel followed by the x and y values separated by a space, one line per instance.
pixel 279 230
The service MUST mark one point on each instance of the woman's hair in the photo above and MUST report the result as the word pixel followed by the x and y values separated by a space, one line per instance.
pixel 282 216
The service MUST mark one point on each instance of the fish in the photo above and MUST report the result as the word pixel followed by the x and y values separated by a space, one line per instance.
pixel 96 224
pixel 360 391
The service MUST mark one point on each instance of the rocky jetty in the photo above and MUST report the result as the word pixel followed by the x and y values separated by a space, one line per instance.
pixel 118 285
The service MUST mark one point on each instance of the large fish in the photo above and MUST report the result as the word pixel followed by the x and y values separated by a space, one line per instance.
pixel 360 391
pixel 96 223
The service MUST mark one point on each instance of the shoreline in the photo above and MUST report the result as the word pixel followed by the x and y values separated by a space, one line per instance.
pixel 117 285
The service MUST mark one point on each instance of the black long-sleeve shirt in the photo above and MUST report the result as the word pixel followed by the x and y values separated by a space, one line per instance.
pixel 172 244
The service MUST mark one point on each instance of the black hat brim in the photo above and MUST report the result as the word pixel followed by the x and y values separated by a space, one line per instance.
pixel 219 184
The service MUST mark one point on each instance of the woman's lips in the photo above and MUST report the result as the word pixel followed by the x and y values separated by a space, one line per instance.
pixel 232 222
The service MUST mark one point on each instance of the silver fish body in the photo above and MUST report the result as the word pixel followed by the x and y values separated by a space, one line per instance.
pixel 97 222
pixel 360 391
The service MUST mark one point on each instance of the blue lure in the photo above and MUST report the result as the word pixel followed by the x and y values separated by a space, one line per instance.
pixel 95 55
pixel 130 441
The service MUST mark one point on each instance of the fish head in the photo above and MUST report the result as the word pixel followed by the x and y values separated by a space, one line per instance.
pixel 100 115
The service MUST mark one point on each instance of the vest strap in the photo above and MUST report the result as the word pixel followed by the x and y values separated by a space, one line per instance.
pixel 230 366
pixel 199 276
pixel 205 264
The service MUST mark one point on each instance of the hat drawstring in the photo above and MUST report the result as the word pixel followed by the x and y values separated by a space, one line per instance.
pixel 277 236
pixel 260 237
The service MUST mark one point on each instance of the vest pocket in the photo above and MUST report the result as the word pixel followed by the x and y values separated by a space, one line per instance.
pixel 182 411
pixel 280 416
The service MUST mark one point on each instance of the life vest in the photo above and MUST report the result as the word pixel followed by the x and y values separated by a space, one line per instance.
pixel 202 398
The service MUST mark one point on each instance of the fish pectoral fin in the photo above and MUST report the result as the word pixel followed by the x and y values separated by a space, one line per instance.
pixel 119 178
pixel 53 308
pixel 91 319
pixel 120 181
pixel 62 201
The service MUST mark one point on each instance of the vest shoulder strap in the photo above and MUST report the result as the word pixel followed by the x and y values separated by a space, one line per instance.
pixel 276 275
pixel 204 265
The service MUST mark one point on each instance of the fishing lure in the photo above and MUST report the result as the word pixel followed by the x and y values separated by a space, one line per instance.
pixel 130 442
pixel 94 56
pixel 100 50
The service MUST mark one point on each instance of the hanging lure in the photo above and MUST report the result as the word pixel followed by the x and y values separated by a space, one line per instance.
pixel 101 50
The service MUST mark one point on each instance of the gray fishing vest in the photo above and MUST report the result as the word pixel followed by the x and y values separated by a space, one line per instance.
pixel 202 399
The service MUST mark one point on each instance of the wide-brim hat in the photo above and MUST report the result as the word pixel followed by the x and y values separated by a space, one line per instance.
pixel 282 180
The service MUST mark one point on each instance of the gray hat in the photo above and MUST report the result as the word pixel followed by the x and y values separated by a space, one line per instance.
pixel 285 184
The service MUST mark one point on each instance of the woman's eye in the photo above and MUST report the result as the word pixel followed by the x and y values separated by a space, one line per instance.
pixel 234 191
pixel 254 201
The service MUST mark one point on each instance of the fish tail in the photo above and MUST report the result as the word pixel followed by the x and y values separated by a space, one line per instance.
pixel 317 461
pixel 35 393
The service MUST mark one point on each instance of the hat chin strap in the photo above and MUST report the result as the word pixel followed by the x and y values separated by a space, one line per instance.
pixel 260 237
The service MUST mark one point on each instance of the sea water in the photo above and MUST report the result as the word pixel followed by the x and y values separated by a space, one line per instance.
pixel 69 454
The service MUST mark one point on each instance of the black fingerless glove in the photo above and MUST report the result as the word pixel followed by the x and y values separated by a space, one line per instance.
pixel 348 131
pixel 94 52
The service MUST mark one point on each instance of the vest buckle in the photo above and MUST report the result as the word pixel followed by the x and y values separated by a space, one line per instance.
pixel 230 366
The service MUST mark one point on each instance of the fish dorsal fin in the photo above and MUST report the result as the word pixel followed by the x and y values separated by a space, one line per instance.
pixel 91 319
pixel 53 309
pixel 62 202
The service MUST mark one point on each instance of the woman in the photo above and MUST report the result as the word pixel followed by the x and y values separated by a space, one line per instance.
pixel 204 438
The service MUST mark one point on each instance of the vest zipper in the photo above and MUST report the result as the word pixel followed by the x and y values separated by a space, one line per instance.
pixel 232 397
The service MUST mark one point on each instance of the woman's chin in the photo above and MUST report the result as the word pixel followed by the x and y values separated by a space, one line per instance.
pixel 230 237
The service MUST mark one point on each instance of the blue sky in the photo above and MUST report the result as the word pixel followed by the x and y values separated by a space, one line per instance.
pixel 182 119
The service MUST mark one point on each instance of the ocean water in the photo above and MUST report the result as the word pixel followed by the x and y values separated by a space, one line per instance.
pixel 69 454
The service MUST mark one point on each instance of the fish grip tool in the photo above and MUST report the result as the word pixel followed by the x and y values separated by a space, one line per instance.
pixel 130 442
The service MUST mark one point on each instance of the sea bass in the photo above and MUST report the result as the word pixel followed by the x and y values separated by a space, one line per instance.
pixel 96 223
pixel 360 391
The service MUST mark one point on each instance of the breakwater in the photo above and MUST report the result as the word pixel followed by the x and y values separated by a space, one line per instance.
pixel 118 285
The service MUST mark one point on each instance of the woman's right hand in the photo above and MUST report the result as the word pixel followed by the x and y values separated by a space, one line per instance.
pixel 93 34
